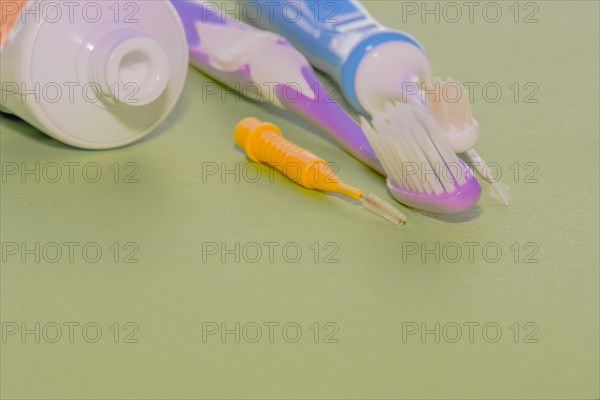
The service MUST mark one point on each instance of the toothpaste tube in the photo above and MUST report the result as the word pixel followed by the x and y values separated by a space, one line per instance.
pixel 91 74
pixel 372 64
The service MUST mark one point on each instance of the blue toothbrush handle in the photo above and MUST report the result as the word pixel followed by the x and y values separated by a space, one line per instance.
pixel 335 36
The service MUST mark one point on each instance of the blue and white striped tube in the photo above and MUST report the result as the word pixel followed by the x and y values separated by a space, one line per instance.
pixel 372 64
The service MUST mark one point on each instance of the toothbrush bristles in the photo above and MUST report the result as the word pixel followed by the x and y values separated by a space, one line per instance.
pixel 454 115
pixel 412 149
pixel 383 209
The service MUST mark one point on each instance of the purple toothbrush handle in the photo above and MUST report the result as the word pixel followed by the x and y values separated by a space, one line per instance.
pixel 325 113
pixel 322 111
pixel 194 12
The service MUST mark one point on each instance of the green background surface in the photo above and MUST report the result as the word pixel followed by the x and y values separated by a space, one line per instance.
pixel 376 290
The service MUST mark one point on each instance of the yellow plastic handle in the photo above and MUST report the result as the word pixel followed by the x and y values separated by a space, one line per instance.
pixel 264 143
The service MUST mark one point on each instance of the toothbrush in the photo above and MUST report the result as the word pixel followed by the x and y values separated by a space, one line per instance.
pixel 264 143
pixel 396 135
pixel 245 58
pixel 265 66
pixel 455 118
pixel 372 64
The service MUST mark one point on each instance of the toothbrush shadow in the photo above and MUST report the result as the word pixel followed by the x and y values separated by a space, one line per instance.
pixel 465 216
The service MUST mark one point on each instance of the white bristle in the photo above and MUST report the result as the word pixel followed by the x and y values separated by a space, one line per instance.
pixel 454 116
pixel 449 103
pixel 405 138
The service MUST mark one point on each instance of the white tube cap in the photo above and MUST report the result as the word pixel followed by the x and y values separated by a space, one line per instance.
pixel 130 67
pixel 391 71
